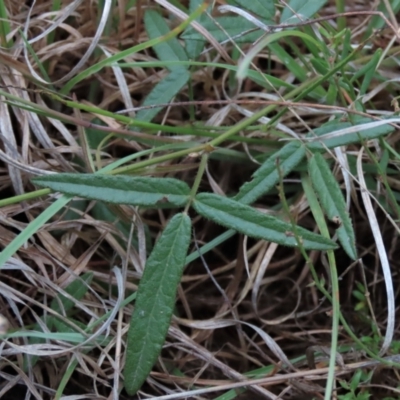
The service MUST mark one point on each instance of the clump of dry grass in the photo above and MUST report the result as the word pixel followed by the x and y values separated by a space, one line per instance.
pixel 244 309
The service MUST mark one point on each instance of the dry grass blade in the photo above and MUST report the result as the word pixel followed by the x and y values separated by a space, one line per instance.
pixel 380 247
pixel 76 79
pixel 92 46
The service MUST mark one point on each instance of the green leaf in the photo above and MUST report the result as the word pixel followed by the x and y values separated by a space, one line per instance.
pixel 163 93
pixel 352 137
pixel 225 28
pixel 249 221
pixel 267 175
pixel 370 71
pixel 332 94
pixel 295 66
pixel 303 8
pixel 261 8
pixel 372 63
pixel 332 201
pixel 170 50
pixel 195 47
pixel 120 189
pixel 155 301
pixel 320 65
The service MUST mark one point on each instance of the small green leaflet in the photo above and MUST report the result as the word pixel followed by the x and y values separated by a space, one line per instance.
pixel 195 47
pixel 332 202
pixel 352 137
pixel 267 175
pixel 120 189
pixel 162 93
pixel 304 9
pixel 253 223
pixel 171 50
pixel 262 8
pixel 225 28
pixel 155 301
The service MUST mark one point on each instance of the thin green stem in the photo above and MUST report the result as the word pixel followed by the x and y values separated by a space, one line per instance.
pixel 156 160
pixel 197 181
pixel 24 197
pixel 340 9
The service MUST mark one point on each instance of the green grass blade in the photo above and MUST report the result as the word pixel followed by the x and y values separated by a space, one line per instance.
pixel 299 70
pixel 5 27
pixel 369 71
pixel 253 223
pixel 155 301
pixel 71 337
pixel 332 201
pixel 267 175
pixel 377 22
pixel 32 228
pixel 335 297
pixel 119 189
pixel 271 38
pixel 371 64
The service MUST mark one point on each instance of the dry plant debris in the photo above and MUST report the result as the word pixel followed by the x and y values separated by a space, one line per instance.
pixel 273 125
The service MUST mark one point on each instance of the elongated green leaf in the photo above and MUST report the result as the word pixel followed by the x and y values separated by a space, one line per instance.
pixel 67 336
pixel 261 8
pixel 225 28
pixel 119 189
pixel 155 301
pixel 370 71
pixel 249 221
pixel 170 50
pixel 267 176
pixel 327 138
pixel 195 47
pixel 162 93
pixel 332 201
pixel 301 8
pixel 295 66
pixel 371 64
